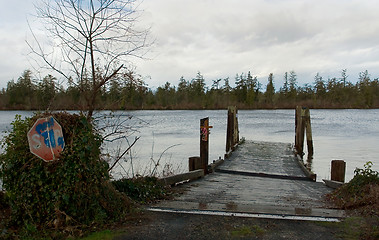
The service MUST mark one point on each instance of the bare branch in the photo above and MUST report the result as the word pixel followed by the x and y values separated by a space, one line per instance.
pixel 118 159
pixel 91 40
pixel 159 159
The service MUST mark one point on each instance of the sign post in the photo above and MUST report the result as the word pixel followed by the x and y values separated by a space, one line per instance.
pixel 46 139
pixel 204 143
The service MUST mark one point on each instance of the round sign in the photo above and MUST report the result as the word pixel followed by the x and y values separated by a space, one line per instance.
pixel 46 139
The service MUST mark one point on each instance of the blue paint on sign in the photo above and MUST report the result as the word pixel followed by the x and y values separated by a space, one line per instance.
pixel 61 142
pixel 48 135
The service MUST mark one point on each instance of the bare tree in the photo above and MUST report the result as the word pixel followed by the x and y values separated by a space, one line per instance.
pixel 90 41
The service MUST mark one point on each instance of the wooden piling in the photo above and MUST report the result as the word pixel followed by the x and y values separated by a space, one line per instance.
pixel 236 131
pixel 194 163
pixel 204 143
pixel 303 126
pixel 338 169
pixel 302 132
pixel 308 129
pixel 232 132
pixel 297 129
pixel 229 130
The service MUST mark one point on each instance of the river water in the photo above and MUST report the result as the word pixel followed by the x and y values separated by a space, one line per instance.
pixel 170 137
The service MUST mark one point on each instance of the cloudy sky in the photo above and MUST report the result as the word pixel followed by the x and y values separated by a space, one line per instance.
pixel 221 38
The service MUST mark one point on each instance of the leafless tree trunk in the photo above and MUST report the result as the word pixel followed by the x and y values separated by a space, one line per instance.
pixel 89 41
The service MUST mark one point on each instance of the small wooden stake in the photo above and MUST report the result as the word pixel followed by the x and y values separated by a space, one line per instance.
pixel 338 170
pixel 194 163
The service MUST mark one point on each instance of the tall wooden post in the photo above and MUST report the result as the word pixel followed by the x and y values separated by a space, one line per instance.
pixel 232 129
pixel 204 143
pixel 299 131
pixel 338 170
pixel 296 119
pixel 303 126
pixel 229 131
pixel 236 131
pixel 308 130
pixel 302 132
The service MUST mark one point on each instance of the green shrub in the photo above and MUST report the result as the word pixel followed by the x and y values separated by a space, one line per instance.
pixel 3 201
pixel 364 176
pixel 73 190
pixel 360 192
pixel 142 189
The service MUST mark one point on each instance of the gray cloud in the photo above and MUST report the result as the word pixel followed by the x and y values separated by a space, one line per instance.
pixel 13 50
pixel 221 38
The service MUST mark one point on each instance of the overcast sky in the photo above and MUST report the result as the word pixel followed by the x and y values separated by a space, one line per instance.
pixel 221 38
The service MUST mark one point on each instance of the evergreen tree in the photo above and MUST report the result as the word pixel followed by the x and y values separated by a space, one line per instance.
pixel 46 92
pixel 216 84
pixel 252 89
pixel 183 85
pixel 366 91
pixel 344 77
pixel 133 90
pixel 183 91
pixel 270 89
pixel 74 98
pixel 21 94
pixel 319 87
pixel 240 90
pixel 197 89
pixel 166 95
pixel 292 82
pixel 285 89
pixel 226 87
pixel 114 92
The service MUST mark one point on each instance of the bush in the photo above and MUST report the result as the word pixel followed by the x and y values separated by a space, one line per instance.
pixel 361 192
pixel 3 201
pixel 142 189
pixel 364 176
pixel 73 190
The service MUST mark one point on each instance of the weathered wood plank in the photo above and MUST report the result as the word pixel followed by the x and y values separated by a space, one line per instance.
pixel 215 164
pixel 254 208
pixel 171 180
pixel 236 191
pixel 332 184
pixel 265 175
pixel 305 170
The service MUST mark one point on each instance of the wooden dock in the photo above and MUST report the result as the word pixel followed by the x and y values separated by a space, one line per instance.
pixel 259 179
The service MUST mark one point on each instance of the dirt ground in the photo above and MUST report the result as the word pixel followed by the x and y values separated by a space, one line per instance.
pixel 160 225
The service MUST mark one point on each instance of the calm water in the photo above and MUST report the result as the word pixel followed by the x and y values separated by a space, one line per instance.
pixel 170 137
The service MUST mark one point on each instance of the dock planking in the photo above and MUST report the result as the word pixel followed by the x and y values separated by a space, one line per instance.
pixel 259 178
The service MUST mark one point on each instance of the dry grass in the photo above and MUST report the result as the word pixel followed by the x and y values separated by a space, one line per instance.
pixel 360 198
pixel 365 201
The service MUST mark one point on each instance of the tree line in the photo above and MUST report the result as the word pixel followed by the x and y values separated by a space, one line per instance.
pixel 128 91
